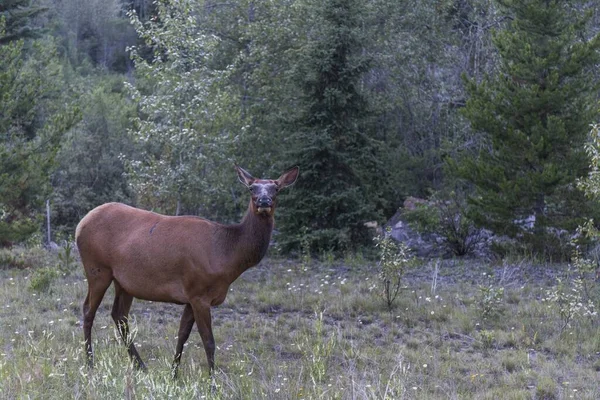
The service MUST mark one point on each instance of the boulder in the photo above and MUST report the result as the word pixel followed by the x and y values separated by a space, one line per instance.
pixel 423 245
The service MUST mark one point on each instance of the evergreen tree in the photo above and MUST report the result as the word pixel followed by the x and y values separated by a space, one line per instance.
pixel 18 15
pixel 90 168
pixel 33 117
pixel 535 112
pixel 338 190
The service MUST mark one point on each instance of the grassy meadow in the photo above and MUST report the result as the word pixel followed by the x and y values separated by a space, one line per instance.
pixel 293 329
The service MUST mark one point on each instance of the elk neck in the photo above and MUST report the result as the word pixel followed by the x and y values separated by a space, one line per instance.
pixel 247 242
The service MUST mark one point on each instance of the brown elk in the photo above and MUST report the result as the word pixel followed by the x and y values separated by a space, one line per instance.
pixel 183 260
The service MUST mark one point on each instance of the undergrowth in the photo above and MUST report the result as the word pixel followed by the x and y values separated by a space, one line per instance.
pixel 311 330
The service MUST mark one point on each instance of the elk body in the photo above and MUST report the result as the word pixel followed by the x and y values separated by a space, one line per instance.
pixel 183 260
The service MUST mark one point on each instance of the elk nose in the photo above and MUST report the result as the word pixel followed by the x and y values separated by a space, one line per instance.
pixel 264 202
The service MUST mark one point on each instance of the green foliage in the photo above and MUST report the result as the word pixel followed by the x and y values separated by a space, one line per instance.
pixel 255 56
pixel 17 228
pixel 18 15
pixel 365 96
pixel 535 113
pixel 318 347
pixel 66 258
pixel 591 183
pixel 94 33
pixel 394 260
pixel 9 259
pixel 90 168
pixel 42 279
pixel 419 50
pixel 330 138
pixel 448 217
pixel 574 299
pixel 32 125
pixel 487 338
pixel 184 162
pixel 568 298
pixel 357 346
pixel 575 295
pixel 490 300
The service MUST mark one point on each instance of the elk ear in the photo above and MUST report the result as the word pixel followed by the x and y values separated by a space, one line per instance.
pixel 288 177
pixel 244 176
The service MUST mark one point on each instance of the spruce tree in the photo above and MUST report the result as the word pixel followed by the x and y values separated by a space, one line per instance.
pixel 33 117
pixel 18 16
pixel 337 191
pixel 535 113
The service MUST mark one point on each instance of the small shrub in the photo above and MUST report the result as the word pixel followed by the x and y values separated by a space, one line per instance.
pixel 42 279
pixel 490 302
pixel 394 260
pixel 488 339
pixel 9 260
pixel 22 257
pixel 447 217
pixel 65 256
pixel 568 301
pixel 588 268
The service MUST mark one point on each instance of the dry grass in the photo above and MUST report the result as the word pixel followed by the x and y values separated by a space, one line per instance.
pixel 287 332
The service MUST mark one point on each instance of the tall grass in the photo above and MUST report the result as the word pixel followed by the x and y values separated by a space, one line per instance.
pixel 323 332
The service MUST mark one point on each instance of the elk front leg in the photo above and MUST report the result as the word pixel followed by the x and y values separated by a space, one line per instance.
pixel 185 327
pixel 203 321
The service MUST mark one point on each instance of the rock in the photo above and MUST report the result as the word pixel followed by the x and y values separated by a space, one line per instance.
pixel 411 203
pixel 53 247
pixel 423 245
pixel 432 244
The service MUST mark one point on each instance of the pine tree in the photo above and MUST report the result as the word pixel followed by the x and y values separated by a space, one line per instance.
pixel 18 15
pixel 535 112
pixel 337 191
pixel 33 118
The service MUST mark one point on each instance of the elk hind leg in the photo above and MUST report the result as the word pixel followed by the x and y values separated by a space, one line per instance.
pixel 96 288
pixel 120 314
pixel 185 327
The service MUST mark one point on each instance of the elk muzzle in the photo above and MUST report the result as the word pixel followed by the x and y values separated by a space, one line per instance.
pixel 264 204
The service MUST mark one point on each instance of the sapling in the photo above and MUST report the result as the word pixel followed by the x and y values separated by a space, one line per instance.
pixel 394 259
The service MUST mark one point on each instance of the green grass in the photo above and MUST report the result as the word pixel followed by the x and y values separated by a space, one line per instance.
pixel 320 333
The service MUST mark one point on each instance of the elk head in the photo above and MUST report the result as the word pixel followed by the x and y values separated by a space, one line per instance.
pixel 264 191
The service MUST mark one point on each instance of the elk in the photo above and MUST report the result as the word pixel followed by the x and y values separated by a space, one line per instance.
pixel 174 259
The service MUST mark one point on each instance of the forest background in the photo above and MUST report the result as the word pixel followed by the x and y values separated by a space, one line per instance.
pixel 483 107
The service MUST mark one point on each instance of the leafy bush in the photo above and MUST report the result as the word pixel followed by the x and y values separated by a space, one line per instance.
pixel 447 217
pixel 490 302
pixel 17 230
pixel 21 257
pixel 569 302
pixel 487 339
pixel 66 258
pixel 9 259
pixel 42 279
pixel 394 260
